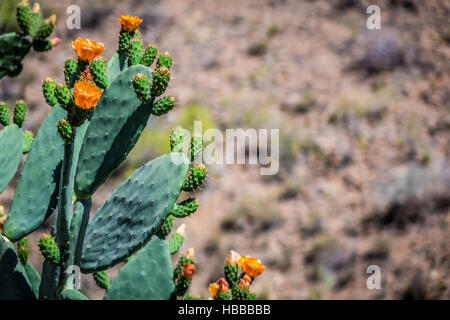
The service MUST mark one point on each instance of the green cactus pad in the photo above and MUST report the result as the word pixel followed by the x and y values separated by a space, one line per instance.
pixel 147 277
pixel 101 279
pixel 116 124
pixel 72 294
pixel 23 17
pixel 15 284
pixel 49 249
pixel 134 212
pixel 164 60
pixel 33 277
pixel 195 178
pixel 163 106
pixel 185 208
pixel 166 227
pixel 22 250
pixel 175 242
pixel 161 78
pixel 27 141
pixel 134 52
pixel 20 111
pixel 116 65
pixel 10 155
pixel 149 55
pixel 36 193
pixel 4 114
pixel 48 88
pixel 98 70
pixel 70 68
pixel 142 87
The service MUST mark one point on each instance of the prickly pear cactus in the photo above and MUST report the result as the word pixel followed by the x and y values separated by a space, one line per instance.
pixel 11 146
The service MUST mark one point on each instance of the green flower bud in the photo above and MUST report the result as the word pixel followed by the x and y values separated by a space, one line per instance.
pixel 197 147
pixel 48 88
pixel 63 95
pixel 163 106
pixel 65 131
pixel 46 28
pixel 98 70
pixel 195 178
pixel 176 240
pixel 142 87
pixel 124 41
pixel 23 16
pixel 185 208
pixel 70 67
pixel 20 111
pixel 134 52
pixel 161 78
pixel 22 250
pixel 179 141
pixel 27 141
pixel 49 249
pixel 164 60
pixel 166 227
pixel 149 55
pixel 4 114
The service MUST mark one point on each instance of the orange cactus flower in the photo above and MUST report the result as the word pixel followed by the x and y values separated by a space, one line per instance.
pixel 86 94
pixel 129 23
pixel 233 257
pixel 214 289
pixel 251 266
pixel 188 271
pixel 86 49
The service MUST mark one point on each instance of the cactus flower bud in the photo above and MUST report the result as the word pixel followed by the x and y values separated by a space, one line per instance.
pixel 195 178
pixel 4 114
pixel 20 111
pixel 70 67
pixel 35 19
pixel 55 42
pixel 102 279
pixel 164 60
pixel 177 239
pixel 220 290
pixel 49 249
pixel 197 146
pixel 134 52
pixel 98 71
pixel 48 88
pixel 166 227
pixel 231 267
pixel 188 271
pixel 142 87
pixel 161 78
pixel 244 282
pixel 185 208
pixel 27 141
pixel 23 16
pixel 65 131
pixel 179 141
pixel 46 28
pixel 163 106
pixel 149 55
pixel 22 250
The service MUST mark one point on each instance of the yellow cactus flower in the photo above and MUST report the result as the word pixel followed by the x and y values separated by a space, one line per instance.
pixel 86 94
pixel 214 289
pixel 130 23
pixel 251 266
pixel 86 49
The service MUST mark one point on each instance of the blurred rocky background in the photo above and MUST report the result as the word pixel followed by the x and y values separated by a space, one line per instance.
pixel 364 119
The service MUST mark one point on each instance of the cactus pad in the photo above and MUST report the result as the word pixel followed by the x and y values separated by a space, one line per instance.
pixel 147 277
pixel 10 155
pixel 116 124
pixel 20 111
pixel 134 212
